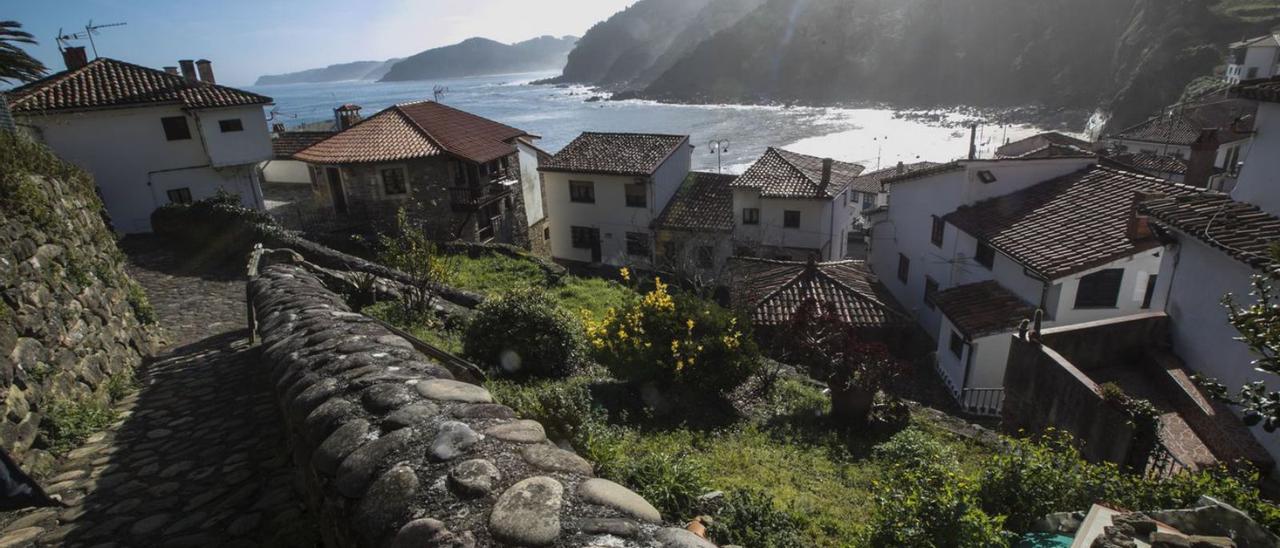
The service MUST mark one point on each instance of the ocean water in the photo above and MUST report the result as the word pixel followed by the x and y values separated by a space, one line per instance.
pixel 869 136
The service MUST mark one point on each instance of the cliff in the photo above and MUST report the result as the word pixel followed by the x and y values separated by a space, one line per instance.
pixel 71 320
pixel 358 70
pixel 480 56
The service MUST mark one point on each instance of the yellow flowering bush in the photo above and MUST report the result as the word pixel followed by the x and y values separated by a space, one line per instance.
pixel 668 338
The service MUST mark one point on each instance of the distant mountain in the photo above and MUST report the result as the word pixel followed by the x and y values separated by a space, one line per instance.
pixel 358 70
pixel 480 56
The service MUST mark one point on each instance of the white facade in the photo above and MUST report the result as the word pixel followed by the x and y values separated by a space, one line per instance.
pixel 823 225
pixel 609 214
pixel 530 183
pixel 1259 180
pixel 1261 59
pixel 136 166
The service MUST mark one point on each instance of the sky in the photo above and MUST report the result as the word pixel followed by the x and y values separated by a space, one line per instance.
pixel 248 38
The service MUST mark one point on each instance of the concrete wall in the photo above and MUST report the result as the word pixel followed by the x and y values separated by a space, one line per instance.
pixel 1259 180
pixel 134 165
pixel 391 449
pixel 285 171
pixel 531 185
pixel 1133 287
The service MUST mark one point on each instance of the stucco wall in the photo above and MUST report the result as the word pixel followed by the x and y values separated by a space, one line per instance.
pixel 609 213
pixel 286 171
pixel 1259 181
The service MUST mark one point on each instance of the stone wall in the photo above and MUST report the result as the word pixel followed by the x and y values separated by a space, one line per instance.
pixel 71 319
pixel 394 451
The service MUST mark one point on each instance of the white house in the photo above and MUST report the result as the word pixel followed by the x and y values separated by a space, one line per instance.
pixel 790 206
pixel 148 137
pixel 604 190
pixel 1212 137
pixel 867 191
pixel 973 247
pixel 1254 58
pixel 1223 240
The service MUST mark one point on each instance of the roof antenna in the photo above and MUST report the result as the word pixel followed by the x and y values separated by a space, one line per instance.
pixel 439 92
pixel 90 30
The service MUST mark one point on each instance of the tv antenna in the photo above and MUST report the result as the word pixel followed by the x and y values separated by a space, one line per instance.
pixel 439 92
pixel 90 30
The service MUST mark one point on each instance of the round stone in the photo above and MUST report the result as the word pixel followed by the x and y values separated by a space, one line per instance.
pixel 447 390
pixel 673 537
pixel 452 440
pixel 528 513
pixel 473 478
pixel 149 524
pixel 484 411
pixel 386 503
pixel 338 445
pixel 326 418
pixel 607 493
pixel 431 532
pixel 525 431
pixel 550 457
pixel 381 398
pixel 410 415
pixel 357 469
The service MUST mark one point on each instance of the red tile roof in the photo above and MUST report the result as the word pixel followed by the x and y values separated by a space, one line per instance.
pixel 1239 229
pixel 783 174
pixel 1065 225
pixel 285 144
pixel 1153 164
pixel 1233 118
pixel 983 308
pixel 415 130
pixel 1050 142
pixel 107 83
pixel 872 183
pixel 774 290
pixel 1267 90
pixel 638 154
pixel 704 202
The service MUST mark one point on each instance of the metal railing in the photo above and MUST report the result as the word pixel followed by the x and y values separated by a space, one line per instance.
pixel 1161 463
pixel 985 402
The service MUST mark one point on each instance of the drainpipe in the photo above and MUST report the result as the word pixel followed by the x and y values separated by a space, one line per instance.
pixel 968 366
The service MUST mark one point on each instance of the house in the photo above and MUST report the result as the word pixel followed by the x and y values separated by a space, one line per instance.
pixel 282 167
pixel 972 248
pixel 1211 136
pixel 867 192
pixel 1222 241
pixel 772 291
pixel 149 137
pixel 459 175
pixel 1254 58
pixel 1044 145
pixel 694 232
pixel 604 191
pixel 1169 168
pixel 794 206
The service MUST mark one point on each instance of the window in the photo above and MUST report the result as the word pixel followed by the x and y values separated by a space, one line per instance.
pixel 904 267
pixel 638 244
pixel 393 183
pixel 546 234
pixel 938 229
pixel 1151 291
pixel 1100 289
pixel 930 289
pixel 175 128
pixel 228 126
pixel 706 256
pixel 868 200
pixel 180 196
pixel 957 344
pixel 986 176
pixel 985 255
pixel 750 215
pixel 583 237
pixel 791 219
pixel 582 191
pixel 637 196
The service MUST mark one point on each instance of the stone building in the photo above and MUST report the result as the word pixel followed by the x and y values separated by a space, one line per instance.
pixel 460 175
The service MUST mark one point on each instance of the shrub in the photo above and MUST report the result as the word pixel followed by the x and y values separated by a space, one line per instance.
pixel 913 448
pixel 673 339
pixel 410 251
pixel 666 478
pixel 749 517
pixel 215 229
pixel 522 333
pixel 67 423
pixel 565 407
pixel 932 505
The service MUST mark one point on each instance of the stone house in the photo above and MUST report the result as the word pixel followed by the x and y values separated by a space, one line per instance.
pixel 459 175
pixel 694 232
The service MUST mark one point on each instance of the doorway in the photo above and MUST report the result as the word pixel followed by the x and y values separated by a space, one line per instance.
pixel 335 189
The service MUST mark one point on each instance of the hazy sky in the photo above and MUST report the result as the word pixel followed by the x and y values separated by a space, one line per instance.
pixel 247 38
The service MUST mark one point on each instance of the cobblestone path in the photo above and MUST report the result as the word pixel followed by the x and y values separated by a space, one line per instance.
pixel 198 457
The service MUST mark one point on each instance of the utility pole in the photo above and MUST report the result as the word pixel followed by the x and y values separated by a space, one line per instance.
pixel 973 142
pixel 879 148
pixel 718 147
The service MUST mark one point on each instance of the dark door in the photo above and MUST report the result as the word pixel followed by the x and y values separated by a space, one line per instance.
pixel 335 189
pixel 595 245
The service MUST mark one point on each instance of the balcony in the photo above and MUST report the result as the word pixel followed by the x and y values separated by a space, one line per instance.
pixel 471 198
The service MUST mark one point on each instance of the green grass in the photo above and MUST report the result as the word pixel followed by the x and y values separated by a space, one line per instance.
pixel 593 294
pixel 68 423
pixel 492 275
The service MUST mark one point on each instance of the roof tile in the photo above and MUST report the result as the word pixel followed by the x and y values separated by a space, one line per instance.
pixel 774 290
pixel 704 202
pixel 108 83
pixel 983 308
pixel 1239 229
pixel 784 174
pixel 615 153
pixel 415 130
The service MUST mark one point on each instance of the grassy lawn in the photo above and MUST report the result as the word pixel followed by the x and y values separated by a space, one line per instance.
pixel 491 275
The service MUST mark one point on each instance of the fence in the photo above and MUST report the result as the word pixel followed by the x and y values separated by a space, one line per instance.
pixel 985 402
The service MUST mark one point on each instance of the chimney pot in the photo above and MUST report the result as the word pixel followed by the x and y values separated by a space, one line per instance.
pixel 901 168
pixel 171 70
pixel 205 68
pixel 1204 154
pixel 826 171
pixel 346 116
pixel 188 69
pixel 1139 225
pixel 75 57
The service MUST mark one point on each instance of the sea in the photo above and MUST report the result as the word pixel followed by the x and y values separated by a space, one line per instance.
pixel 874 137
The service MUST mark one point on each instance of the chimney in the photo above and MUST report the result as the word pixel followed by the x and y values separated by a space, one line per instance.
pixel 826 171
pixel 1139 225
pixel 205 68
pixel 346 116
pixel 277 128
pixel 901 168
pixel 188 69
pixel 171 70
pixel 1204 154
pixel 74 57
pixel 973 142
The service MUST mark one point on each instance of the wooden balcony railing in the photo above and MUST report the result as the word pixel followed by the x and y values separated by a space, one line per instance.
pixel 468 198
